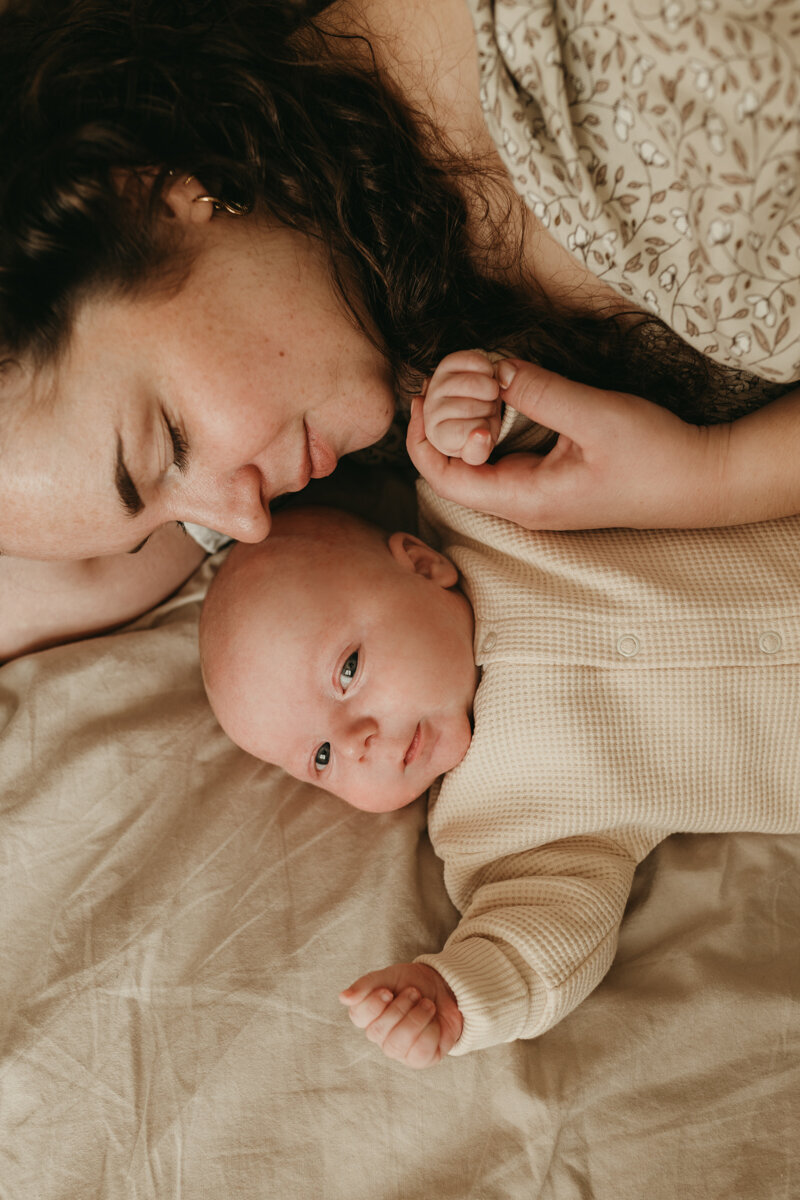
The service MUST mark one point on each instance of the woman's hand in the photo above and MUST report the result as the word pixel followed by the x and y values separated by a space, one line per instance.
pixel 408 1010
pixel 618 461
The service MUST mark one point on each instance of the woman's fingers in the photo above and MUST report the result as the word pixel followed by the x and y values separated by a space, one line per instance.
pixel 553 401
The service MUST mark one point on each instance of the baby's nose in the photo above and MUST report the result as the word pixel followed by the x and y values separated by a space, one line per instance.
pixel 359 737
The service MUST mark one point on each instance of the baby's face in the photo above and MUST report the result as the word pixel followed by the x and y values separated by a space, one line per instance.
pixel 362 681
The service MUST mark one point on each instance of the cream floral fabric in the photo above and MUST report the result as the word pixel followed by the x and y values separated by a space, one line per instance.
pixel 659 141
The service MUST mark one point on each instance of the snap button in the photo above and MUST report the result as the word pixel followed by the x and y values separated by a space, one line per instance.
pixel 770 642
pixel 489 642
pixel 628 645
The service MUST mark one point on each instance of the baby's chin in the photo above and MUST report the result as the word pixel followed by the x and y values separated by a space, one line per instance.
pixel 449 753
pixel 380 802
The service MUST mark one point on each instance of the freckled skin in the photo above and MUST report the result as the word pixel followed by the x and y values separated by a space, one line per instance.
pixel 254 349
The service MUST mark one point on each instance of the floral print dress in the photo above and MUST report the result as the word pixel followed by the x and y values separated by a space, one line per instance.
pixel 659 142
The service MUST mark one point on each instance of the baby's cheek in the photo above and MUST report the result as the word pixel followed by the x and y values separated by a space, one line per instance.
pixel 457 745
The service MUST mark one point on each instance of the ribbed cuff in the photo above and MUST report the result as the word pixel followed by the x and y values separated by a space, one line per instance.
pixel 493 997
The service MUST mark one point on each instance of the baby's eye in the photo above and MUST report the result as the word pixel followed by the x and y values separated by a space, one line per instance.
pixel 348 671
pixel 322 756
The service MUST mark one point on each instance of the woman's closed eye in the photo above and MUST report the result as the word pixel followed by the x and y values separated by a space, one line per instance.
pixel 180 446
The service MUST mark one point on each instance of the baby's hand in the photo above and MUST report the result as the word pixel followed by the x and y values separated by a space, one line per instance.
pixel 462 407
pixel 408 1010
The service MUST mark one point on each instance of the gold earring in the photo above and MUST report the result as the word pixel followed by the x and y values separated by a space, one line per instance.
pixel 229 206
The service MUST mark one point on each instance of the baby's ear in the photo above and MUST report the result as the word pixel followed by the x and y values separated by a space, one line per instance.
pixel 417 556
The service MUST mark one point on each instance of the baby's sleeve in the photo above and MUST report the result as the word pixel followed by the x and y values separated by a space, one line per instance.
pixel 538 932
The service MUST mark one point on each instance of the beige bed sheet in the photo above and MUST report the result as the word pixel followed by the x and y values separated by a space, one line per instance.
pixel 177 919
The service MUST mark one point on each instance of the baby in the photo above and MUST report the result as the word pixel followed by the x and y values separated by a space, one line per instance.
pixel 343 655
pixel 583 695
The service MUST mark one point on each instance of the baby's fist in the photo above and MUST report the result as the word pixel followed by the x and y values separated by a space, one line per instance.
pixel 408 1010
pixel 462 407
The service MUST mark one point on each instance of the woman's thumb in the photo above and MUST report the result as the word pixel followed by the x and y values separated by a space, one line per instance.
pixel 546 398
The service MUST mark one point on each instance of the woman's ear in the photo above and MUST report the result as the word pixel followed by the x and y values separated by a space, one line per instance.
pixel 188 200
pixel 417 556
pixel 181 194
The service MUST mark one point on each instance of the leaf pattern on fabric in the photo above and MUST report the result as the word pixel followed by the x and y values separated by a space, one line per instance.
pixel 659 142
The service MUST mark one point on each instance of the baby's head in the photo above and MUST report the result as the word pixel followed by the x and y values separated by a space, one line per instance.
pixel 343 655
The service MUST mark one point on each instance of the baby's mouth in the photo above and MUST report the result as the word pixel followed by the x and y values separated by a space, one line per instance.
pixel 414 745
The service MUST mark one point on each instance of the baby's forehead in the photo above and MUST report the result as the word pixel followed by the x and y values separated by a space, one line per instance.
pixel 309 569
pixel 297 586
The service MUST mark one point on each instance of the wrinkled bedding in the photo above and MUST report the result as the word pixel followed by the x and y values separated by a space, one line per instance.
pixel 178 919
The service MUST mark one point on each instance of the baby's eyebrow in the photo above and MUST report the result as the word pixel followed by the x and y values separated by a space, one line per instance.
pixel 126 489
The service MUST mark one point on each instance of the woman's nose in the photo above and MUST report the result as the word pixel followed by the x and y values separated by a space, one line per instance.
pixel 358 736
pixel 233 506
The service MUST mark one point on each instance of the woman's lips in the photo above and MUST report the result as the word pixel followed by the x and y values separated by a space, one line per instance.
pixel 323 459
pixel 414 747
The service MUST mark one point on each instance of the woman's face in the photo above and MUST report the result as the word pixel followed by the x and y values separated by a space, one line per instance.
pixel 201 404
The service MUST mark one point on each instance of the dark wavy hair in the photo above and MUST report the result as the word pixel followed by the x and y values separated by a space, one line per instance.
pixel 92 91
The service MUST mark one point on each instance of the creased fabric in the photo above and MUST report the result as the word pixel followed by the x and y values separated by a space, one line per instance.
pixel 177 919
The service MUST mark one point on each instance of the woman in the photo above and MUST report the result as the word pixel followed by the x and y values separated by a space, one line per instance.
pixel 227 248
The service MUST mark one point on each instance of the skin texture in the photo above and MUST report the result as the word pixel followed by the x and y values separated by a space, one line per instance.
pixel 94 594
pixel 253 361
pixel 343 657
pixel 408 1011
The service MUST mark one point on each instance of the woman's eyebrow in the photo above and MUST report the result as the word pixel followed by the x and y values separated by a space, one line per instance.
pixel 126 489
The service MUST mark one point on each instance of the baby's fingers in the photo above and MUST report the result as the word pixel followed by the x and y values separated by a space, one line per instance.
pixel 460 439
pixel 461 387
pixel 457 407
pixel 364 1008
pixel 402 1025
pixel 478 446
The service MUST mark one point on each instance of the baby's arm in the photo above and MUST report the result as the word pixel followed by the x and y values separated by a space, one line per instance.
pixel 622 461
pixel 462 407
pixel 408 1010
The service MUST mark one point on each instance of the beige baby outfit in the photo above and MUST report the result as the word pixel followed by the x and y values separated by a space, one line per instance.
pixel 634 684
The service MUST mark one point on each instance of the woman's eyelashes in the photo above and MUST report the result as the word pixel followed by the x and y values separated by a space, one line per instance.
pixel 180 445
